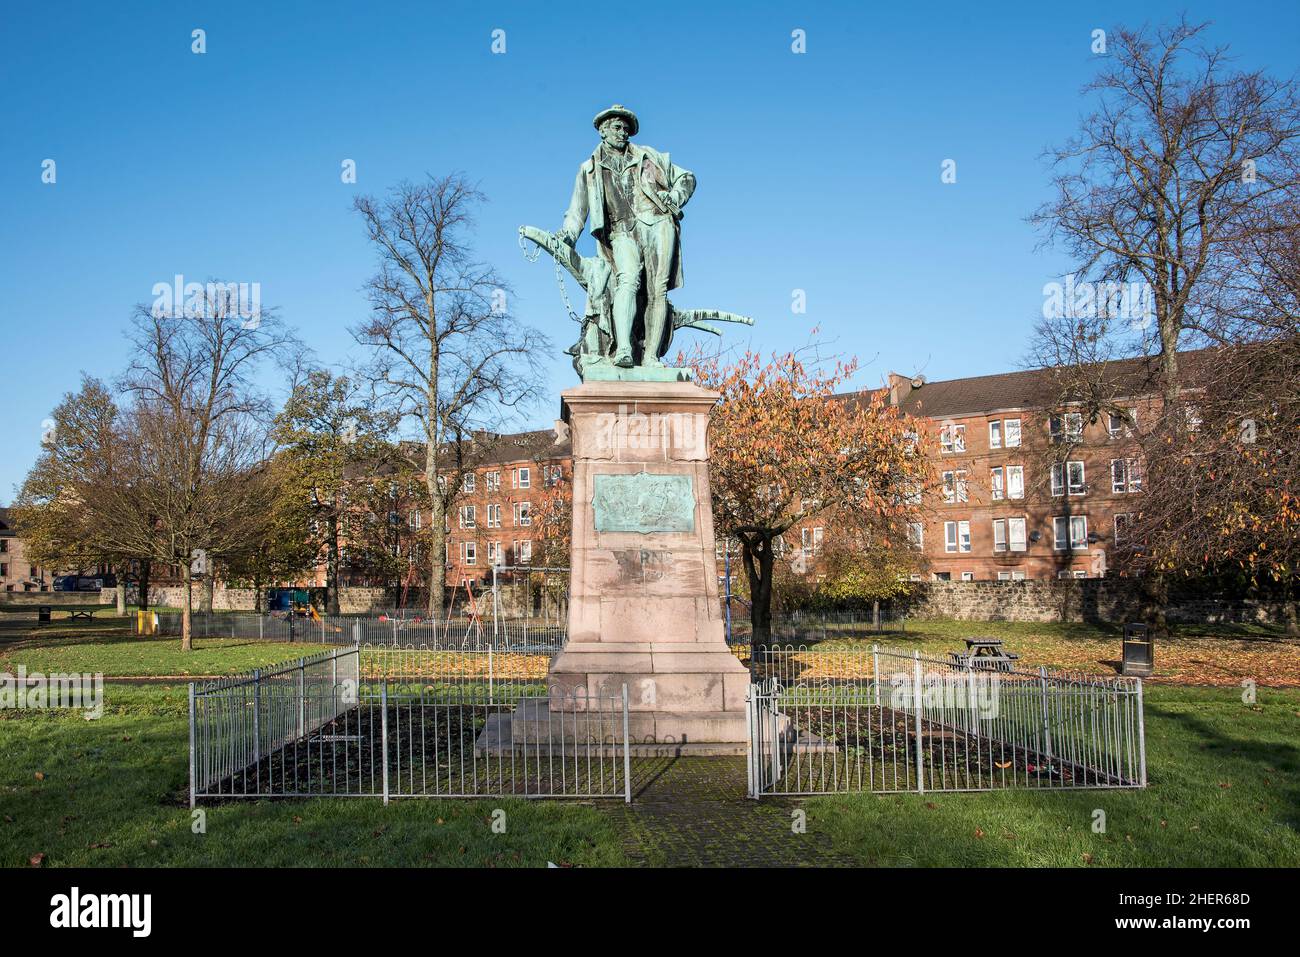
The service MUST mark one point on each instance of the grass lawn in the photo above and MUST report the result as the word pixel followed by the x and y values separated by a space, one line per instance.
pixel 111 792
pixel 1222 655
pixel 1224 792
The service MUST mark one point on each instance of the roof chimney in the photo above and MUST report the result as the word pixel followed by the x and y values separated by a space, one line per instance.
pixel 901 386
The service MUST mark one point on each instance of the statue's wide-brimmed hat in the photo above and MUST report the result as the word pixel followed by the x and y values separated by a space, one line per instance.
pixel 618 109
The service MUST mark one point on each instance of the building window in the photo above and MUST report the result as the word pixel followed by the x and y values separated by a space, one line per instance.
pixel 493 481
pixel 1068 476
pixel 523 515
pixel 999 534
pixel 954 486
pixel 468 553
pixel 943 576
pixel 996 488
pixel 1077 573
pixel 1120 424
pixel 1011 433
pixel 952 438
pixel 416 519
pixel 912 493
pixel 1066 426
pixel 916 534
pixel 524 552
pixel 812 541
pixel 521 477
pixel 1194 420
pixel 1015 481
pixel 968 576
pixel 956 536
pixel 1073 526
pixel 1012 576
pixel 552 475
pixel 494 516
pixel 1123 523
pixel 468 482
pixel 995 434
pixel 467 516
pixel 1016 534
pixel 1125 476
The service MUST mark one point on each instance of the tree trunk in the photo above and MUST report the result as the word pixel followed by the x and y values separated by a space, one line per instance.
pixel 1155 597
pixel 187 579
pixel 259 595
pixel 209 588
pixel 332 567
pixel 757 555
pixel 142 599
pixel 438 549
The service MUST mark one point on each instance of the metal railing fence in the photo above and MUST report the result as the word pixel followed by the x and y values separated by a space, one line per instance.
pixel 887 720
pixel 406 722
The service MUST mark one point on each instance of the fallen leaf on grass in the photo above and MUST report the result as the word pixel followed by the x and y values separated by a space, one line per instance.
pixel 36 860
pixel 1087 858
pixel 979 832
pixel 40 775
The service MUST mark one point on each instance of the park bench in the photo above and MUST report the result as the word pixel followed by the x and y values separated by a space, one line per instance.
pixel 85 614
pixel 984 654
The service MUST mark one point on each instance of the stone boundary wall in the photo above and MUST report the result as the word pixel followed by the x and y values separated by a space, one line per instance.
pixel 352 601
pixel 32 599
pixel 1114 600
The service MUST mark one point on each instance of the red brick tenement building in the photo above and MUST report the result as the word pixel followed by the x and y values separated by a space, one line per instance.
pixel 1027 490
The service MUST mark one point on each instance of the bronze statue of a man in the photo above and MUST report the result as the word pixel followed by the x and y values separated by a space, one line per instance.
pixel 634 196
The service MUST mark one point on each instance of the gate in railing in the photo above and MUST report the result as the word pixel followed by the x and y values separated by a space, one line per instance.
pixel 837 721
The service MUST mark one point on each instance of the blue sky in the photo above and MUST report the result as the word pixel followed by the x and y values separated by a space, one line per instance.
pixel 817 171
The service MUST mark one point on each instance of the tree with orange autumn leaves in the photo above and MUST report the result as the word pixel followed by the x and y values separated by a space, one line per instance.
pixel 785 448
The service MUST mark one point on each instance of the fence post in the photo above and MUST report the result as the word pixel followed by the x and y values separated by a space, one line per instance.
pixel 192 746
pixel 918 703
pixel 383 730
pixel 627 757
pixel 261 627
pixel 491 701
pixel 395 633
pixel 1142 739
pixel 749 751
pixel 302 696
pixel 1047 727
pixel 257 715
pixel 875 673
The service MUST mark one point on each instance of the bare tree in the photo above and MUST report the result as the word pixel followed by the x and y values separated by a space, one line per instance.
pixel 1183 169
pixel 199 433
pixel 448 354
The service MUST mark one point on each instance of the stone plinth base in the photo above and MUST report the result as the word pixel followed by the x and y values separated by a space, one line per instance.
pixel 644 608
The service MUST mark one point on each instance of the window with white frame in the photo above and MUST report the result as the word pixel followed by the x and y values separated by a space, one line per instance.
pixel 494 516
pixel 956 536
pixel 1016 534
pixel 467 516
pixel 1069 532
pixel 524 552
pixel 494 553
pixel 955 487
pixel 999 534
pixel 1069 477
pixel 1120 424
pixel 997 490
pixel 468 482
pixel 523 513
pixel 912 493
pixel 1011 433
pixel 1075 573
pixel 1011 576
pixel 552 475
pixel 492 480
pixel 916 534
pixel 995 434
pixel 943 576
pixel 468 553
pixel 416 519
pixel 812 541
pixel 1065 426
pixel 525 476
pixel 1125 476
pixel 952 438
pixel 1015 481
pixel 968 576
pixel 1193 416
pixel 1123 523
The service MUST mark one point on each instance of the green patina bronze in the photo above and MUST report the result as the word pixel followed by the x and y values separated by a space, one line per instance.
pixel 644 502
pixel 633 197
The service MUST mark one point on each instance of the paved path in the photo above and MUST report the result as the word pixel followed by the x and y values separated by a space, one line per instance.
pixel 692 812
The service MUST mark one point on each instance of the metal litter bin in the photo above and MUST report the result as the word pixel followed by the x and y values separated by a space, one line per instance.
pixel 43 614
pixel 1139 651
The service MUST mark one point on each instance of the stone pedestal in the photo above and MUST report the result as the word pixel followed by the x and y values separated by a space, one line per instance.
pixel 643 604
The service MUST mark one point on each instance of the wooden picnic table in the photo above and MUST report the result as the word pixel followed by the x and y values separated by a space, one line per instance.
pixel 984 653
